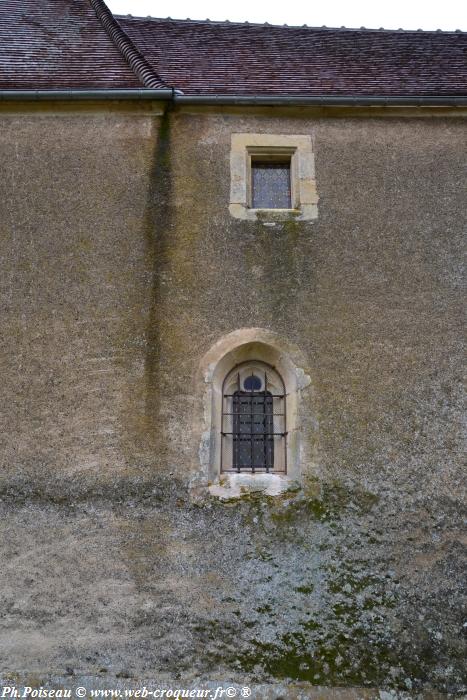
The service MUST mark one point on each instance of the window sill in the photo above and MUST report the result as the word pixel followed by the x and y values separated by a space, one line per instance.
pixel 234 485
pixel 303 213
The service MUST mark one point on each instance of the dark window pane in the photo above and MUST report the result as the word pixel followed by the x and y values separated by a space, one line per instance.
pixel 253 441
pixel 270 184
pixel 252 383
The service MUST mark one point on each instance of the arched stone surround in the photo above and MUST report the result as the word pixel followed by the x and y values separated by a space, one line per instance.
pixel 247 345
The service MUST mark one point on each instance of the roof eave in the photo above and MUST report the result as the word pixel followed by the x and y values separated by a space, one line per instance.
pixel 89 94
pixel 327 100
pixel 179 98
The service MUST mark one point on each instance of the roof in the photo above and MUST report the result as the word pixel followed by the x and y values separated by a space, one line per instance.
pixel 78 44
pixel 49 44
pixel 229 58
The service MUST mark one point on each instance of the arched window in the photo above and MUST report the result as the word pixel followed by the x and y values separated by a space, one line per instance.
pixel 253 422
pixel 255 407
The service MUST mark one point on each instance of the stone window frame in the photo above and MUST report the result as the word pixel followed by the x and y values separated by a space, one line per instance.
pixel 304 195
pixel 250 345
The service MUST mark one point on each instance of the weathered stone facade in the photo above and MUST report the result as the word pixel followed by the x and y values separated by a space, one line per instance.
pixel 121 268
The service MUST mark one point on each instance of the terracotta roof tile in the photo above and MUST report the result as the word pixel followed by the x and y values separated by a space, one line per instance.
pixel 227 58
pixel 53 44
pixel 58 44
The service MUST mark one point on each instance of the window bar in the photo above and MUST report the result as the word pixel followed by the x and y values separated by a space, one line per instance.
pixel 222 433
pixel 266 423
pixel 259 466
pixel 255 414
pixel 274 396
pixel 284 425
pixel 281 434
pixel 237 434
pixel 251 433
pixel 270 441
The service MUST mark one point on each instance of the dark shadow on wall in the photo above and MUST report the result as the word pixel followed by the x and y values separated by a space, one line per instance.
pixel 156 223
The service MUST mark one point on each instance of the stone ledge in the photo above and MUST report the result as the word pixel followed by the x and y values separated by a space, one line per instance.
pixel 230 486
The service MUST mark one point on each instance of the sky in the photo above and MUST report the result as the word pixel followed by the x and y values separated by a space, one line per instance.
pixel 390 14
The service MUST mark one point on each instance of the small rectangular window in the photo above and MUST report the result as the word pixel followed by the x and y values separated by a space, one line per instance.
pixel 272 178
pixel 270 184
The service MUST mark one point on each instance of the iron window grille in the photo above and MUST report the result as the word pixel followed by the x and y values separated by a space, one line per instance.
pixel 253 423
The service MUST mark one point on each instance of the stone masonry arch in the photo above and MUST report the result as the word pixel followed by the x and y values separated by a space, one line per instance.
pixel 247 345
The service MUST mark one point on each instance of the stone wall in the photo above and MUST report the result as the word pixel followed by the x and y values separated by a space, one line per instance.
pixel 121 268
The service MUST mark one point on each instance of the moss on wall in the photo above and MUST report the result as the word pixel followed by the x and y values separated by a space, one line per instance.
pixel 121 268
